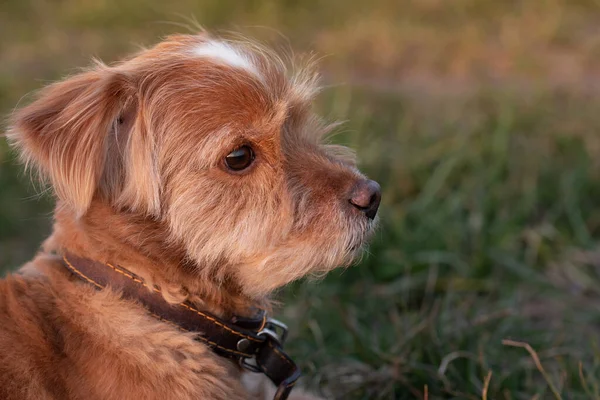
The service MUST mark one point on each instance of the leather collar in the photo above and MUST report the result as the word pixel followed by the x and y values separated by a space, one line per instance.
pixel 256 344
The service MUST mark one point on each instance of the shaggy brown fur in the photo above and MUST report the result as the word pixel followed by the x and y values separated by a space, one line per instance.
pixel 135 153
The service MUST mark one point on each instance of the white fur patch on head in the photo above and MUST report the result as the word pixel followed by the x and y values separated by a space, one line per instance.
pixel 226 54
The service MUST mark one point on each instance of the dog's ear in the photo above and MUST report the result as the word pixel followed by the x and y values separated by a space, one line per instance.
pixel 65 132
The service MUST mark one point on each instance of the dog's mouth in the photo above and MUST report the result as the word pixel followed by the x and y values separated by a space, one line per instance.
pixel 356 246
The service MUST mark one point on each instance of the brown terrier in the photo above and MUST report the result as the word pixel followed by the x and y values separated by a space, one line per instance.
pixel 195 171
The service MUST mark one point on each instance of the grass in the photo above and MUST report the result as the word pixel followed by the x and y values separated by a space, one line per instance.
pixel 479 121
pixel 487 243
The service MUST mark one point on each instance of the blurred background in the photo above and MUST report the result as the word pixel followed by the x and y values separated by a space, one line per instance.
pixel 480 120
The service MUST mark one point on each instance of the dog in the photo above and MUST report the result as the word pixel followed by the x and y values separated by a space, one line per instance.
pixel 189 178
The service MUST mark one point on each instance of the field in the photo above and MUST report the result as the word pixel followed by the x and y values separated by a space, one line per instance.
pixel 479 119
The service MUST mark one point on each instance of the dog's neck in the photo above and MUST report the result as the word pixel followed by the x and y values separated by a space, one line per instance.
pixel 143 247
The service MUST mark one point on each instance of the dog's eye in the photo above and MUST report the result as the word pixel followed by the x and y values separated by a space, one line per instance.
pixel 240 158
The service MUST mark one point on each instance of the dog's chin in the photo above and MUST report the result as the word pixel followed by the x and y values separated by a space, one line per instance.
pixel 263 273
pixel 348 253
pixel 361 240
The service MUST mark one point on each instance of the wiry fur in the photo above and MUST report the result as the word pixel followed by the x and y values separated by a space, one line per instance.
pixel 135 154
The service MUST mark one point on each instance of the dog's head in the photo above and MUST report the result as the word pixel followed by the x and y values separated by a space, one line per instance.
pixel 215 141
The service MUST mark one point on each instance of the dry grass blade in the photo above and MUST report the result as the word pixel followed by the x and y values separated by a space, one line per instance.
pixel 537 363
pixel 584 383
pixel 486 385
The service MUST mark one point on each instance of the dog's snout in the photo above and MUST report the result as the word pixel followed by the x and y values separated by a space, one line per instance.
pixel 366 196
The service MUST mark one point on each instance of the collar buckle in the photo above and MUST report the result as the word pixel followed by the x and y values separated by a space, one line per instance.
pixel 276 330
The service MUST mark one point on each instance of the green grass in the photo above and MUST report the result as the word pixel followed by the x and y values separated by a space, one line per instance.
pixel 489 224
pixel 488 233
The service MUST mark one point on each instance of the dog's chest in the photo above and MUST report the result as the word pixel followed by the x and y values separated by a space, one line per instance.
pixel 60 342
pixel 129 354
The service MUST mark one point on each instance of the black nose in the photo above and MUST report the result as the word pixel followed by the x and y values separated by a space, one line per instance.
pixel 366 196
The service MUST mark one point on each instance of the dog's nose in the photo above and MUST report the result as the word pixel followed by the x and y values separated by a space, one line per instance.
pixel 366 196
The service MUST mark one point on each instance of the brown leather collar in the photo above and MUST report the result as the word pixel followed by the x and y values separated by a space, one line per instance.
pixel 255 343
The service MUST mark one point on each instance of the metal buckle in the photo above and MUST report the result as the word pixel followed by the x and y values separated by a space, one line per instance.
pixel 277 329
pixel 249 363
